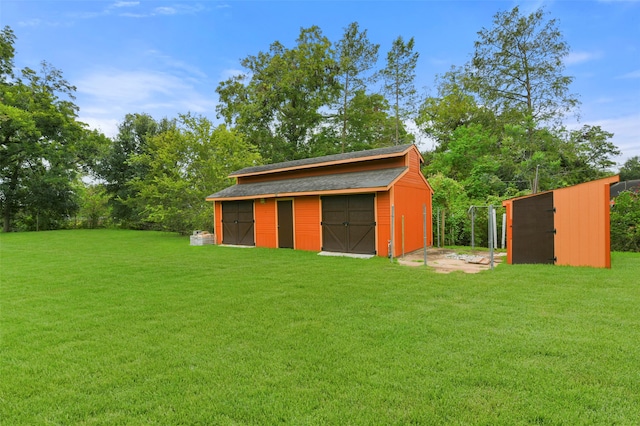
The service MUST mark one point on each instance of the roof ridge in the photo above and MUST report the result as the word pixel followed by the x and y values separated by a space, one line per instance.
pixel 316 161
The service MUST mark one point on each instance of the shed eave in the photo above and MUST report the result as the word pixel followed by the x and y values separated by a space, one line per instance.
pixel 303 194
pixel 328 163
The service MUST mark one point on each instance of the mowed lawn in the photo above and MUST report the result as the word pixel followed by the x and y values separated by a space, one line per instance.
pixel 125 327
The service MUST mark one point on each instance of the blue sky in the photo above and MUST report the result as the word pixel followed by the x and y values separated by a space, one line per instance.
pixel 167 57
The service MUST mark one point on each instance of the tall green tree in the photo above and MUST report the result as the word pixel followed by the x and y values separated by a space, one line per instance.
pixel 356 55
pixel 518 66
pixel 42 144
pixel 94 206
pixel 630 169
pixel 625 222
pixel 185 164
pixel 592 152
pixel 370 126
pixel 439 116
pixel 399 81
pixel 472 159
pixel 7 53
pixel 117 168
pixel 278 104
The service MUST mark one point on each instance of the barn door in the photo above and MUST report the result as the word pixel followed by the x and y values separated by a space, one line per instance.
pixel 533 230
pixel 285 224
pixel 237 223
pixel 348 224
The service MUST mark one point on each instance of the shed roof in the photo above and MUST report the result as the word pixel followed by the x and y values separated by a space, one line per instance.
pixel 370 180
pixel 627 185
pixel 389 151
pixel 609 180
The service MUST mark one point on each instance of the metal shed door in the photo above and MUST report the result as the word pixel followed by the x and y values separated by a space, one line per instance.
pixel 348 224
pixel 533 230
pixel 237 222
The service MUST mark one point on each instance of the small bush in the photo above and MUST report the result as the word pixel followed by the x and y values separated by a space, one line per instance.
pixel 625 222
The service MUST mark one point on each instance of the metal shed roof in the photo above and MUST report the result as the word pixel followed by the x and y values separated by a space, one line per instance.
pixel 348 182
pixel 310 162
pixel 628 185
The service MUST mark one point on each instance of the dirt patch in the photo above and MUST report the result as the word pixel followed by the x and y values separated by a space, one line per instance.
pixel 446 260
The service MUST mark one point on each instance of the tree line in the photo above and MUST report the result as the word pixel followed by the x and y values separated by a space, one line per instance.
pixel 496 123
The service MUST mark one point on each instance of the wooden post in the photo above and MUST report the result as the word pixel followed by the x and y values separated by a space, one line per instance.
pixel 424 233
pixel 391 242
pixel 403 236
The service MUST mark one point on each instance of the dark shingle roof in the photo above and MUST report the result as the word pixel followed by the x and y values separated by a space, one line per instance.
pixel 326 159
pixel 628 185
pixel 337 182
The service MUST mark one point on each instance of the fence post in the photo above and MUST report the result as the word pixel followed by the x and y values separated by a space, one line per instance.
pixel 490 232
pixel 403 236
pixel 504 228
pixel 438 227
pixel 473 226
pixel 495 228
pixel 443 227
pixel 392 228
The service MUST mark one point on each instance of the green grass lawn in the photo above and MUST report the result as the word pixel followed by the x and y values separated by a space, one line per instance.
pixel 124 327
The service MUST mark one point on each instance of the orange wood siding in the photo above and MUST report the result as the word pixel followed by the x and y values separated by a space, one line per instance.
pixel 265 223
pixel 383 220
pixel 307 218
pixel 217 221
pixel 581 221
pixel 582 224
pixel 508 205
pixel 408 195
pixel 326 170
pixel 411 193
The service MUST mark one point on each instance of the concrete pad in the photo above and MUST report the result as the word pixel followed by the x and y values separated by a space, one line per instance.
pixel 353 255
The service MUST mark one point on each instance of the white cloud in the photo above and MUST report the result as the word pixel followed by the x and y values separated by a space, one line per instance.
pixel 626 134
pixel 134 15
pixel 123 9
pixel 127 87
pixel 105 96
pixel 108 126
pixel 574 58
pixel 30 23
pixel 176 9
pixel 230 72
pixel 169 62
pixel 165 10
pixel 632 74
pixel 119 4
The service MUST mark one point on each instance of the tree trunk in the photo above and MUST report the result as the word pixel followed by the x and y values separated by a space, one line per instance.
pixel 9 200
pixel 6 219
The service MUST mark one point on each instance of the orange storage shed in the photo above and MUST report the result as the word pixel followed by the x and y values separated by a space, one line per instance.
pixel 566 226
pixel 337 203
